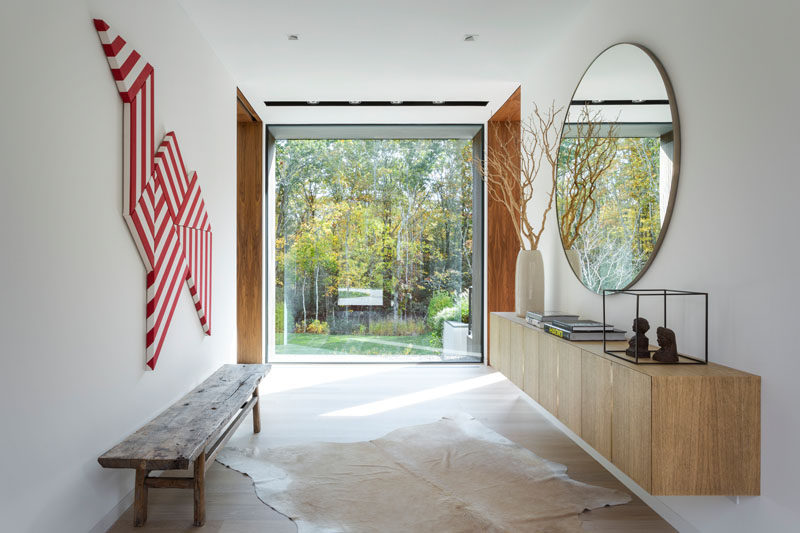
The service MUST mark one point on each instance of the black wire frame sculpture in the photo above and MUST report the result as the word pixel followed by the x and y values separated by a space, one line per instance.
pixel 665 294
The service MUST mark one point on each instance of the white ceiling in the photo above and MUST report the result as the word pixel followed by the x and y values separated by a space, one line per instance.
pixel 379 50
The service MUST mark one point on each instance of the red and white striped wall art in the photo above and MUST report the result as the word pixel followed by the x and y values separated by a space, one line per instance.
pixel 162 203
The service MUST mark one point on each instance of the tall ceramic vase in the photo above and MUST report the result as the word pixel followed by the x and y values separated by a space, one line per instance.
pixel 529 282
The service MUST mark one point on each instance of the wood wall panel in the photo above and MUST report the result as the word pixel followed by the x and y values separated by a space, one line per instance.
pixel 548 373
pixel 569 386
pixel 516 355
pixel 493 342
pixel 630 428
pixel 706 435
pixel 249 233
pixel 502 243
pixel 503 346
pixel 596 402
pixel 530 368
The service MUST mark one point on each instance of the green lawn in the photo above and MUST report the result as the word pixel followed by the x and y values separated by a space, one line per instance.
pixel 310 343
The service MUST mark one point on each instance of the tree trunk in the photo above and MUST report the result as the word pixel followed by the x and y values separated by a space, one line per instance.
pixel 305 319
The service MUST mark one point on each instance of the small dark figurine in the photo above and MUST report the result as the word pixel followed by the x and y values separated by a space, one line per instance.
pixel 668 351
pixel 639 342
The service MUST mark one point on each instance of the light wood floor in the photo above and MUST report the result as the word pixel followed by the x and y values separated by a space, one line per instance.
pixel 346 403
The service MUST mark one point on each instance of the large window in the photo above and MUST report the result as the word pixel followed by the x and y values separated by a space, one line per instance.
pixel 374 250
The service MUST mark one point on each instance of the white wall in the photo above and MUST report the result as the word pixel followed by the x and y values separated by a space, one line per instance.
pixel 734 228
pixel 73 381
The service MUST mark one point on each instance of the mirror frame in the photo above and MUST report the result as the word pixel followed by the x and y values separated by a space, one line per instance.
pixel 676 161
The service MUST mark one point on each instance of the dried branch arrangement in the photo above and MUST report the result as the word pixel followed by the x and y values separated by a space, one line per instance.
pixel 519 150
pixel 586 157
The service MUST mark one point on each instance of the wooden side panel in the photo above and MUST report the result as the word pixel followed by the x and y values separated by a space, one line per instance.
pixel 596 402
pixel 630 425
pixel 530 367
pixel 501 240
pixel 706 435
pixel 548 373
pixel 516 354
pixel 249 238
pixel 569 385
pixel 494 342
pixel 503 327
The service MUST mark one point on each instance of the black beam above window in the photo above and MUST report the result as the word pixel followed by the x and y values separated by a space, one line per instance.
pixel 376 103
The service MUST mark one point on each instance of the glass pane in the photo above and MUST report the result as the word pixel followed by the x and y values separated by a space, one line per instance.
pixel 373 248
pixel 618 227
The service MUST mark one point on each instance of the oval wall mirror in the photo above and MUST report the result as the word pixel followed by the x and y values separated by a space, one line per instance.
pixel 618 165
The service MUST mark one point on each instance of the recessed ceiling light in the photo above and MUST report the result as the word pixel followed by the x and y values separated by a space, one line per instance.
pixel 638 101
pixel 470 37
pixel 293 37
pixel 312 102
pixel 396 102
pixel 438 102
pixel 355 102
pixel 597 101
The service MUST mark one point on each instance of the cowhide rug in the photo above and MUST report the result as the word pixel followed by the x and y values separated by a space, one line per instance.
pixel 454 475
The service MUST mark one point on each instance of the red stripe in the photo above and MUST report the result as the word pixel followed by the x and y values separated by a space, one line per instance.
pixel 176 200
pixel 180 157
pixel 179 170
pixel 115 46
pixel 100 25
pixel 200 210
pixel 133 193
pixel 152 120
pixel 142 131
pixel 144 238
pixel 120 73
pixel 166 311
pixel 208 276
pixel 131 93
pixel 165 264
pixel 172 305
pixel 188 209
pixel 204 224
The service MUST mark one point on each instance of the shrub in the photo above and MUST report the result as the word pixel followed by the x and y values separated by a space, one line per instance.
pixel 314 326
pixel 459 311
pixel 440 300
pixel 389 327
pixel 318 327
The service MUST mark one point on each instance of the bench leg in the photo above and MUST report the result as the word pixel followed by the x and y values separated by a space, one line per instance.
pixel 140 498
pixel 256 412
pixel 200 489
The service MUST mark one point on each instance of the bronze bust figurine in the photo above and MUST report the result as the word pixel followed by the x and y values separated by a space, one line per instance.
pixel 639 342
pixel 668 350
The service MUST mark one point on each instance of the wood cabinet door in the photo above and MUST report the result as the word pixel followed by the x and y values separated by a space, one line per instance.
pixel 494 346
pixel 548 373
pixel 516 353
pixel 569 385
pixel 498 344
pixel 631 442
pixel 530 367
pixel 596 402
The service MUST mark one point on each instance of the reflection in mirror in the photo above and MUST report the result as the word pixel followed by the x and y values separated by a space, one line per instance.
pixel 617 168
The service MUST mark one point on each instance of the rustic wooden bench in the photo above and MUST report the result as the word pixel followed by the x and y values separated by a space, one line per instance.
pixel 191 431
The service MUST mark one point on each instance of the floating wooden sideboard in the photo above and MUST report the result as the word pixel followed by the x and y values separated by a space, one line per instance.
pixel 673 429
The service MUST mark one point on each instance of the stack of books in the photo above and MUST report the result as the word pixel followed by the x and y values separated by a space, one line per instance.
pixel 577 329
pixel 540 319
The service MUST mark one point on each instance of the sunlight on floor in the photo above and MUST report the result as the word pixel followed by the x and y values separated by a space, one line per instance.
pixel 413 398
pixel 279 380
